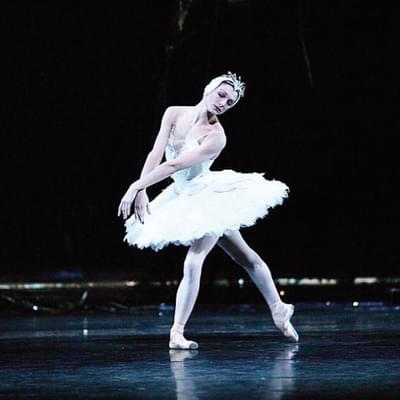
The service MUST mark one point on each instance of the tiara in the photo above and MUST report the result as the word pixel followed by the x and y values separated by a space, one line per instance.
pixel 238 85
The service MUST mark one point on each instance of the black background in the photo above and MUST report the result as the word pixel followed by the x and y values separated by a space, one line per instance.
pixel 86 88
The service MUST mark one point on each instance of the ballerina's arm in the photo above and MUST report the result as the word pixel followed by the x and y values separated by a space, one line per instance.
pixel 209 149
pixel 211 146
pixel 155 156
pixel 153 159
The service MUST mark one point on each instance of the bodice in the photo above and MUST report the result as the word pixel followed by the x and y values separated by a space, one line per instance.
pixel 184 176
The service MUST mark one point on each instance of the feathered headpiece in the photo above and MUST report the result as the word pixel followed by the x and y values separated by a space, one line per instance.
pixel 229 78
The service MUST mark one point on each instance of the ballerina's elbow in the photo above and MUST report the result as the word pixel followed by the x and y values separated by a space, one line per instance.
pixel 177 164
pixel 172 166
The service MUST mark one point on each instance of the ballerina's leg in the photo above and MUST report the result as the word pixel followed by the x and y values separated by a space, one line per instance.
pixel 188 290
pixel 237 248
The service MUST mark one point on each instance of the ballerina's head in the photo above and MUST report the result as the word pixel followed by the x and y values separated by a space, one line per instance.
pixel 223 92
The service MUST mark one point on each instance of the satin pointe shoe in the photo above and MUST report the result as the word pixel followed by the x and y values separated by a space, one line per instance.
pixel 281 314
pixel 178 342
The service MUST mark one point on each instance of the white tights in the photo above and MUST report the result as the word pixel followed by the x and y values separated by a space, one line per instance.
pixel 189 286
pixel 235 246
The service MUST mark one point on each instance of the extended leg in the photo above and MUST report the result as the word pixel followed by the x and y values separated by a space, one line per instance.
pixel 188 290
pixel 236 247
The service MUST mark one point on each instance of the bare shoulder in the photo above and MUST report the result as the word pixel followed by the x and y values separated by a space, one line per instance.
pixel 170 113
pixel 175 111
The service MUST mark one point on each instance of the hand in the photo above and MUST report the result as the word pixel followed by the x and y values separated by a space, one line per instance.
pixel 126 202
pixel 141 205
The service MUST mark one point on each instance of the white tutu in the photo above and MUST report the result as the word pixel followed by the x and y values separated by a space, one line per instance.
pixel 202 202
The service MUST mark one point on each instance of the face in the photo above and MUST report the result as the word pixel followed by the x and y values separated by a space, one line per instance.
pixel 221 99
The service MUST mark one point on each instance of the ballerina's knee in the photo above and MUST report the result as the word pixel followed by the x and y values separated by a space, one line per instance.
pixel 192 270
pixel 258 265
pixel 250 261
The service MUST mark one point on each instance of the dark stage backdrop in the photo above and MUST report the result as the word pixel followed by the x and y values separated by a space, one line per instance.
pixel 88 85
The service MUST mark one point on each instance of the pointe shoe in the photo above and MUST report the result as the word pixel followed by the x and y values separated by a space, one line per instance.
pixel 281 314
pixel 178 342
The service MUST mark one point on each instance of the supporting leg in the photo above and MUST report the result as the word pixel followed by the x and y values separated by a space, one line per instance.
pixel 188 290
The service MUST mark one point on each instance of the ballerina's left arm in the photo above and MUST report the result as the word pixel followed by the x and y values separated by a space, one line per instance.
pixel 211 146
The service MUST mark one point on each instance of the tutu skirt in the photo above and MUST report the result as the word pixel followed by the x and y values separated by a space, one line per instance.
pixel 214 203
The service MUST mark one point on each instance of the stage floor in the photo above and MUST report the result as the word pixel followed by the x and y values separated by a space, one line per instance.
pixel 345 352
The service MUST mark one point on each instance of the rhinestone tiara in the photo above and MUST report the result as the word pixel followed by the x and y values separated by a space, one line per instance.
pixel 238 85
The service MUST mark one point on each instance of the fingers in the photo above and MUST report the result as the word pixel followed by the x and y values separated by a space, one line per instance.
pixel 121 209
pixel 139 214
pixel 140 210
pixel 125 209
pixel 126 203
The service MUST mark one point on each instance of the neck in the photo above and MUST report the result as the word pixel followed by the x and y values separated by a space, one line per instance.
pixel 202 115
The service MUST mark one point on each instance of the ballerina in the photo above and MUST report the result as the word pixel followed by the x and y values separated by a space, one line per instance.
pixel 203 208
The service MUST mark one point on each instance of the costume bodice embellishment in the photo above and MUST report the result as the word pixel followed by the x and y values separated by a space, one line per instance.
pixel 183 176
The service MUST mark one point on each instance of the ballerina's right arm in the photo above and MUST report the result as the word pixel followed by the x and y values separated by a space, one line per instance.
pixel 210 147
pixel 155 156
pixel 153 159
